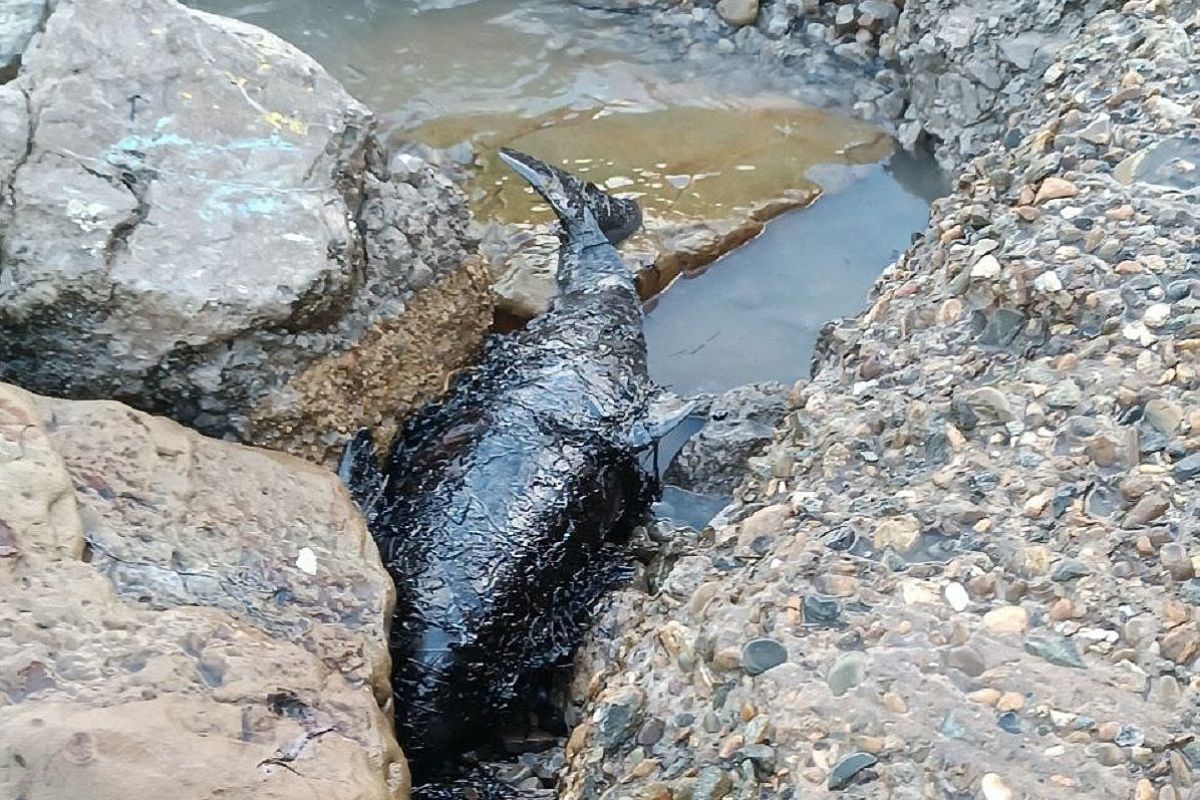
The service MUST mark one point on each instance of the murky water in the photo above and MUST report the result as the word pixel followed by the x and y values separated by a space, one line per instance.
pixel 754 315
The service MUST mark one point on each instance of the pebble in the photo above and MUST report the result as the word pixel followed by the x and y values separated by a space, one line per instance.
pixel 1006 619
pixel 848 769
pixel 712 783
pixel 848 671
pixel 1055 649
pixel 994 788
pixel 1055 189
pixel 901 533
pixel 821 610
pixel 760 655
pixel 986 268
pixel 957 597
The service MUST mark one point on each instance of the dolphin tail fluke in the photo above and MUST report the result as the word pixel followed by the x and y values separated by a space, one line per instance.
pixel 577 203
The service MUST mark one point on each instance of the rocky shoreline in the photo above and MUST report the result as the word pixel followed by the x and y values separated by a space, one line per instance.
pixel 967 564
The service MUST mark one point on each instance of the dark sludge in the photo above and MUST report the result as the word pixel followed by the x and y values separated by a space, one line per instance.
pixel 502 508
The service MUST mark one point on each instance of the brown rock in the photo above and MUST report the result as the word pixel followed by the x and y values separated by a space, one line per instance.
pixel 1006 619
pixel 1180 644
pixel 1055 189
pixel 205 614
pixel 1150 507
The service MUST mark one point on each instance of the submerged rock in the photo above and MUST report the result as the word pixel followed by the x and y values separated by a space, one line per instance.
pixel 183 615
pixel 217 235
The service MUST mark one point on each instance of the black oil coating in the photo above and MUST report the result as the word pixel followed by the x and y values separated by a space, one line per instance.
pixel 501 512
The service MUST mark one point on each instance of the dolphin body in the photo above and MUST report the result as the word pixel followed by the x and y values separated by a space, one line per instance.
pixel 502 508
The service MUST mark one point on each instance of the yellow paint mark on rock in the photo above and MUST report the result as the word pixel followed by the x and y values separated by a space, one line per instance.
pixel 280 121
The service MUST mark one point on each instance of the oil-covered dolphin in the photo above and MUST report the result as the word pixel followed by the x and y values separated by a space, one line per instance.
pixel 500 508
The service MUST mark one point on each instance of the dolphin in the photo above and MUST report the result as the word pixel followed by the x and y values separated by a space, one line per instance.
pixel 502 509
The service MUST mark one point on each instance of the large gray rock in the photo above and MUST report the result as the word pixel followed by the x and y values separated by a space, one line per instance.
pixel 737 425
pixel 197 218
pixel 19 21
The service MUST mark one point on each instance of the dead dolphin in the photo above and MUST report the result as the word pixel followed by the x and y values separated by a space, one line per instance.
pixel 500 509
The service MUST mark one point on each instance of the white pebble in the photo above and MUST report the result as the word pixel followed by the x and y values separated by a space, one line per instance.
pixel 987 268
pixel 994 788
pixel 1047 282
pixel 957 597
pixel 1157 314
pixel 306 561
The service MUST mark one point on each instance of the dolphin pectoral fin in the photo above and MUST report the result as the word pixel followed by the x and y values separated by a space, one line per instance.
pixel 663 413
pixel 359 472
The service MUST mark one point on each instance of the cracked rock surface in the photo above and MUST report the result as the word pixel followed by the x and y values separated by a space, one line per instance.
pixel 183 617
pixel 196 218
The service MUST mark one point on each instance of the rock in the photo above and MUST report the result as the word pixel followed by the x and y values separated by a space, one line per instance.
pixel 19 21
pixel 1055 189
pixel 900 533
pixel 994 788
pixel 1150 507
pixel 1069 569
pixel 848 769
pixel 738 12
pixel 619 717
pixel 760 655
pixel 986 268
pixel 848 671
pixel 1163 415
pixel 1055 649
pixel 1175 559
pixel 820 610
pixel 254 272
pixel 1188 467
pixel 736 426
pixel 159 630
pixel 1006 619
pixel 1181 644
pixel 712 784
pixel 1065 395
pixel 989 404
pixel 957 597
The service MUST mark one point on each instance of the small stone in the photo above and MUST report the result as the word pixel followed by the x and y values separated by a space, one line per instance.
pixel 1069 569
pixel 1110 755
pixel 821 610
pixel 986 268
pixel 1061 610
pixel 1055 649
pixel 1180 644
pixel 712 784
pixel 899 533
pixel 1164 415
pixel 1055 189
pixel 1175 559
pixel 738 13
pixel 1006 619
pixel 848 768
pixel 1048 282
pixel 1065 395
pixel 895 703
pixel 619 717
pixel 848 671
pixel 1010 701
pixel 987 696
pixel 1187 468
pixel 957 596
pixel 967 660
pixel 990 404
pixel 994 788
pixel 1152 506
pixel 760 655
